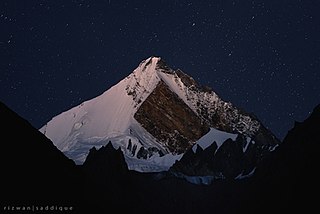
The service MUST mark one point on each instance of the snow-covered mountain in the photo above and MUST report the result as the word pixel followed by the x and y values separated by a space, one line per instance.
pixel 155 115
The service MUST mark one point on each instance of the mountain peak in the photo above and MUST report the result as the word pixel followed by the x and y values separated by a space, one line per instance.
pixel 151 61
pixel 153 64
pixel 154 115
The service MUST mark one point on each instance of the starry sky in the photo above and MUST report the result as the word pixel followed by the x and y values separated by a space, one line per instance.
pixel 262 56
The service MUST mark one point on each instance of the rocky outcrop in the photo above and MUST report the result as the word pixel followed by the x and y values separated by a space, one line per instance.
pixel 233 159
pixel 106 159
pixel 106 166
pixel 170 120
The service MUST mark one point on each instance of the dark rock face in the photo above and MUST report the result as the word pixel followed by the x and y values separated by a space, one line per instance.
pixel 232 159
pixel 196 163
pixel 106 167
pixel 106 159
pixel 163 67
pixel 170 120
pixel 186 79
pixel 224 116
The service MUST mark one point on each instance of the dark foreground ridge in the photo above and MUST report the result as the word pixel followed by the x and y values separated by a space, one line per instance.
pixel 36 173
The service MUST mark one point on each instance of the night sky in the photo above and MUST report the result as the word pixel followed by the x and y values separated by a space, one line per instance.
pixel 262 56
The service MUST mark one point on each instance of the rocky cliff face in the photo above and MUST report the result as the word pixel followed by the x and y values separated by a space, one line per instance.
pixel 180 122
pixel 170 120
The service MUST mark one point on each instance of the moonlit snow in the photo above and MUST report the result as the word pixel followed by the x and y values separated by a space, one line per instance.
pixel 110 118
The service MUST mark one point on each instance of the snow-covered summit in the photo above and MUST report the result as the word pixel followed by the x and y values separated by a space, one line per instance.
pixel 154 115
pixel 108 114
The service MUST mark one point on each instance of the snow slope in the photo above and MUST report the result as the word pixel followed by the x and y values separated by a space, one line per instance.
pixel 213 135
pixel 109 117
